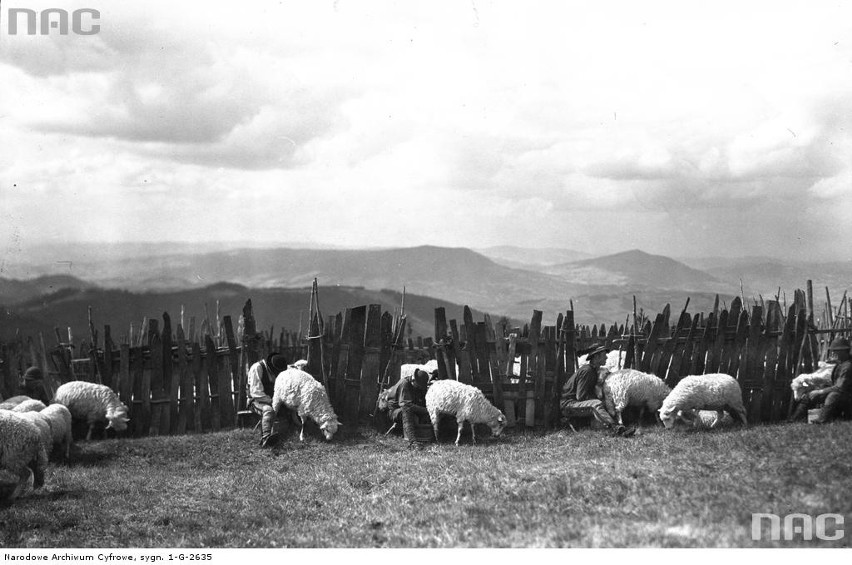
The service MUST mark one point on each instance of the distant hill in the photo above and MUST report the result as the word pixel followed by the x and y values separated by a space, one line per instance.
pixel 281 308
pixel 636 269
pixel 13 290
pixel 599 286
pixel 456 275
pixel 531 258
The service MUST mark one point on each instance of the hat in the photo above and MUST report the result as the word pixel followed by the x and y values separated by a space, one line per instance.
pixel 594 349
pixel 839 344
pixel 276 362
pixel 33 374
pixel 420 378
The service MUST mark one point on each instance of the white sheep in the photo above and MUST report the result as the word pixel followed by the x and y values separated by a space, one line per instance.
pixel 93 403
pixel 299 391
pixel 13 401
pixel 621 388
pixel 59 419
pixel 715 391
pixel 301 364
pixel 29 405
pixel 22 455
pixel 466 403
pixel 807 382
pixel 40 422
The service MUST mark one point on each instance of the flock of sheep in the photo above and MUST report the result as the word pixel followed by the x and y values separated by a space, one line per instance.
pixel 30 432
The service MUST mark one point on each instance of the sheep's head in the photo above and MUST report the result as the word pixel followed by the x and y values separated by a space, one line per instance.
pixel 497 424
pixel 382 402
pixel 329 427
pixel 118 419
pixel 801 390
pixel 668 417
pixel 603 373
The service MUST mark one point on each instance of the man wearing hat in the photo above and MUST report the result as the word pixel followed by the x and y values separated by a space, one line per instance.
pixel 261 386
pixel 837 398
pixel 407 403
pixel 578 395
pixel 32 385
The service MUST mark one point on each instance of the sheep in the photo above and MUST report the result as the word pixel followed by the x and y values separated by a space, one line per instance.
pixel 807 382
pixel 93 403
pixel 59 419
pixel 45 436
pixel 22 455
pixel 628 387
pixel 13 401
pixel 29 405
pixel 466 403
pixel 301 364
pixel 299 391
pixel 715 391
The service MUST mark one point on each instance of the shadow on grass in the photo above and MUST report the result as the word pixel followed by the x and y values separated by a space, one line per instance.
pixel 90 455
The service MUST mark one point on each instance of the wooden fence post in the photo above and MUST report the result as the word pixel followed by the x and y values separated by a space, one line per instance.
pixel 352 376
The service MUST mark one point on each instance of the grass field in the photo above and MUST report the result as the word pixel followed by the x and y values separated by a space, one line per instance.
pixel 555 489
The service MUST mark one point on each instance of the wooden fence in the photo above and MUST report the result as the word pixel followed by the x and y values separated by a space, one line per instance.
pixel 175 385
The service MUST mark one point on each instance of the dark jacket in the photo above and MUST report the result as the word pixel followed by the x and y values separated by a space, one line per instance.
pixel 841 378
pixel 404 393
pixel 580 385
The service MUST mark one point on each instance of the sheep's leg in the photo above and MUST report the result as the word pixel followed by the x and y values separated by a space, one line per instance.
pixel 89 434
pixel 472 434
pixel 618 417
pixel 302 431
pixel 435 418
pixel 461 425
pixel 642 411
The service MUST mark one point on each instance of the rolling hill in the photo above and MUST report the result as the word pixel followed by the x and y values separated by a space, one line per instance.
pixel 636 269
pixel 601 287
pixel 281 308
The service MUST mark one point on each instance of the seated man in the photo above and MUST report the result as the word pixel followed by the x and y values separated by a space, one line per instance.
pixel 261 386
pixel 837 398
pixel 406 403
pixel 578 394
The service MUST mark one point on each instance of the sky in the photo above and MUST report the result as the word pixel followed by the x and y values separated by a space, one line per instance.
pixel 685 129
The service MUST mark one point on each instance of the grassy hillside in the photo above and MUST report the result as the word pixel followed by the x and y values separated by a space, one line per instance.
pixel 558 489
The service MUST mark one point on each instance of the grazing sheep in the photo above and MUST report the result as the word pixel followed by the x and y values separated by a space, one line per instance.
pixel 93 403
pixel 59 419
pixel 29 405
pixel 300 392
pixel 628 387
pixel 466 403
pixel 40 422
pixel 806 382
pixel 22 455
pixel 715 391
pixel 13 401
